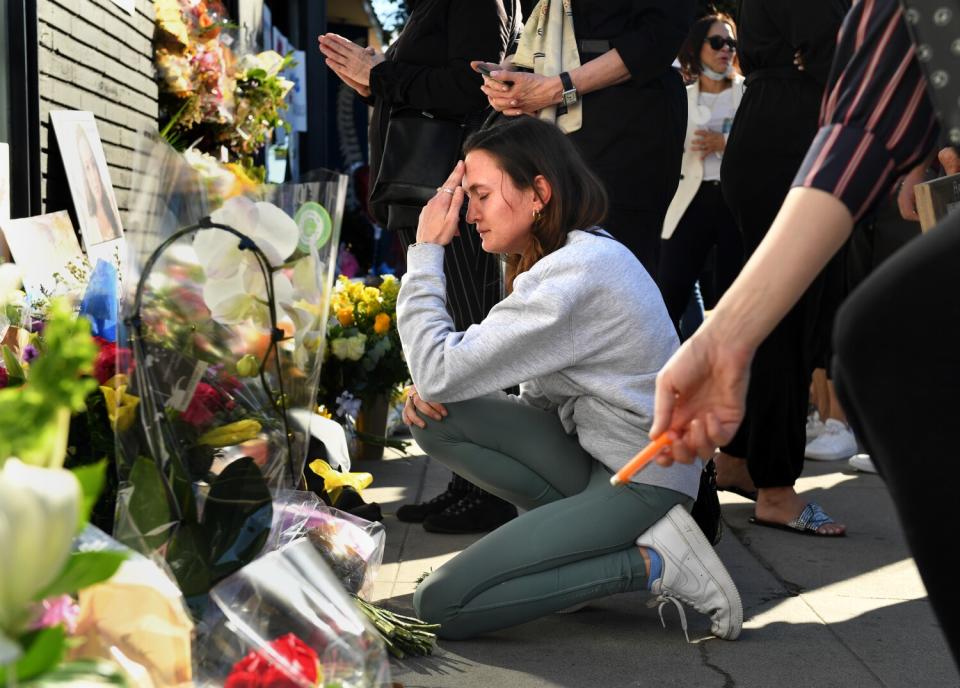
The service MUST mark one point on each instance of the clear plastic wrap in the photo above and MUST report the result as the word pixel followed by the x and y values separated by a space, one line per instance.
pixel 285 618
pixel 351 547
pixel 137 619
pixel 225 312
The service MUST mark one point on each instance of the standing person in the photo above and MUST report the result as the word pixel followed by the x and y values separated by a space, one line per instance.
pixel 586 386
pixel 633 107
pixel 698 218
pixel 785 52
pixel 895 361
pixel 428 68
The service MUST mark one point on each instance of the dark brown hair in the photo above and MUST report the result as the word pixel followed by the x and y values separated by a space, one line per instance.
pixel 689 56
pixel 527 147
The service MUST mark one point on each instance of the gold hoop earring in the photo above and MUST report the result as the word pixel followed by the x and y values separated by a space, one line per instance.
pixel 536 215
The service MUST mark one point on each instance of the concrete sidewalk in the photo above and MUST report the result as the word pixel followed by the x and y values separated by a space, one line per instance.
pixel 818 612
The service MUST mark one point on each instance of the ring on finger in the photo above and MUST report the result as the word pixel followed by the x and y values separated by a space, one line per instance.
pixel 445 189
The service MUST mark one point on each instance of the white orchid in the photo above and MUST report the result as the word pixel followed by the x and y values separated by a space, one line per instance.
pixel 39 511
pixel 235 289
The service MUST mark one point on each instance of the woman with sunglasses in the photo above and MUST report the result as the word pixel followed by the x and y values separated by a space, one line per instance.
pixel 785 51
pixel 698 218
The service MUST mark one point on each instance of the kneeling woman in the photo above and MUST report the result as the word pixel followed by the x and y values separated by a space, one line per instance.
pixel 583 332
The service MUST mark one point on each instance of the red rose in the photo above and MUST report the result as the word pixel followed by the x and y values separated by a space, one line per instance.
pixel 4 377
pixel 257 669
pixel 112 360
pixel 205 404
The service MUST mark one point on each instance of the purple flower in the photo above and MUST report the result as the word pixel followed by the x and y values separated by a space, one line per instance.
pixel 37 326
pixel 30 352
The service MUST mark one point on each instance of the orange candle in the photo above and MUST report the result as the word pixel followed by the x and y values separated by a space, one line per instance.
pixel 637 463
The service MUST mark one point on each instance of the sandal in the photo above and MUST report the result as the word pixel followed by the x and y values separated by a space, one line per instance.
pixel 809 522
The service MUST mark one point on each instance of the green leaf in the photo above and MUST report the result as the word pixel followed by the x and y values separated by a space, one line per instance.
pixel 84 672
pixel 43 650
pixel 149 504
pixel 83 569
pixel 14 370
pixel 237 517
pixel 188 556
pixel 92 478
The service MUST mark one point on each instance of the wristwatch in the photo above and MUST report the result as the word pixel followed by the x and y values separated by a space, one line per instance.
pixel 570 95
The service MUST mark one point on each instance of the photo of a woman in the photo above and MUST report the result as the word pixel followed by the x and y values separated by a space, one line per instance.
pixel 88 177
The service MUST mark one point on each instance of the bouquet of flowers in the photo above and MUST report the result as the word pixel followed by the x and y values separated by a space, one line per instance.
pixel 364 358
pixel 226 316
pixel 211 98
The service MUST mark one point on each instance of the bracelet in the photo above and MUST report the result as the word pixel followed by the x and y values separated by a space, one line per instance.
pixel 421 243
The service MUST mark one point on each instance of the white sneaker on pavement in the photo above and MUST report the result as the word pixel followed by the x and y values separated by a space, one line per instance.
pixel 814 426
pixel 834 443
pixel 693 574
pixel 862 463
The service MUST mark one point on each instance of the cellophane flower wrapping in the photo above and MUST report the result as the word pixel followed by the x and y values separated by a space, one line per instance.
pixel 286 618
pixel 351 546
pixel 227 330
pixel 137 619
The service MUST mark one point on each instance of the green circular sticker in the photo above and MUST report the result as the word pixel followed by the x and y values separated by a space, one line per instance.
pixel 315 225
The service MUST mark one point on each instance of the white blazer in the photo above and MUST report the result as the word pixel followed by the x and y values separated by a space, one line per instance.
pixel 691 169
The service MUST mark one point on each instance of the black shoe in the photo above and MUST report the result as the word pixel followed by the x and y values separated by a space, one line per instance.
pixel 415 513
pixel 475 513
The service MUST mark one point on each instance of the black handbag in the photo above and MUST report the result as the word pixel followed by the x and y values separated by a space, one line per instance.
pixel 419 153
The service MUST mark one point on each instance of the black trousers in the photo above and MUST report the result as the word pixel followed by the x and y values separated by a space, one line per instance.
pixel 706 223
pixel 772 437
pixel 897 371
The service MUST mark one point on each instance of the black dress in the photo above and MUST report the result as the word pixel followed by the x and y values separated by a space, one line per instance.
pixel 632 133
pixel 428 67
pixel 774 126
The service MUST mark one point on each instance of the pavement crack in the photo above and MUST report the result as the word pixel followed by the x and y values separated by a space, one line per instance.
pixel 792 589
pixel 728 680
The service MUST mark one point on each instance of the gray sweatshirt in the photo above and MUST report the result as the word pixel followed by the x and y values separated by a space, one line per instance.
pixel 584 334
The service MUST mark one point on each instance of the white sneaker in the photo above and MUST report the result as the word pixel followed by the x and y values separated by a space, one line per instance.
pixel 862 463
pixel 814 426
pixel 693 574
pixel 834 443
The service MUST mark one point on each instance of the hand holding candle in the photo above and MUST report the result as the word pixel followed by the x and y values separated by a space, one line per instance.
pixel 637 463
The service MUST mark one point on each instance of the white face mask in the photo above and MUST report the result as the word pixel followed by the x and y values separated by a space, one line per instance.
pixel 716 76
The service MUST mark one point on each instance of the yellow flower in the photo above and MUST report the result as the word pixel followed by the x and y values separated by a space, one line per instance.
pixel 345 316
pixel 335 481
pixel 248 366
pixel 230 434
pixel 121 407
pixel 322 410
pixel 382 324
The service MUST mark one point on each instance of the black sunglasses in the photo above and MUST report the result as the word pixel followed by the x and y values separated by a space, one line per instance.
pixel 717 42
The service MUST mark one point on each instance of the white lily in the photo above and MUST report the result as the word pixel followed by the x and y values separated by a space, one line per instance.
pixel 39 510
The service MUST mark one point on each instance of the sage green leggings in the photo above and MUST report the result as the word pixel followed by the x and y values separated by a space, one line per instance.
pixel 575 543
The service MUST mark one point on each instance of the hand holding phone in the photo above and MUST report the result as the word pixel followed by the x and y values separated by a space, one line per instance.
pixel 486 69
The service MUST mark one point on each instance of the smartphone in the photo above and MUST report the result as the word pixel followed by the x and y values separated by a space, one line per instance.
pixel 486 70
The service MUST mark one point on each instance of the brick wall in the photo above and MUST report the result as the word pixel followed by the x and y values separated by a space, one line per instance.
pixel 94 56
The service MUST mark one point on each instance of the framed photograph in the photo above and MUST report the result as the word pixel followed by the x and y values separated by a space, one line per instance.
pixel 42 246
pixel 89 180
